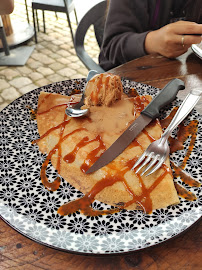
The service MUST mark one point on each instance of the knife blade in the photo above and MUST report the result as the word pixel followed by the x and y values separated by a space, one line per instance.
pixel 165 96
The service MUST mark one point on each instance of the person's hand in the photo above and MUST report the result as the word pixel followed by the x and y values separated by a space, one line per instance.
pixel 173 39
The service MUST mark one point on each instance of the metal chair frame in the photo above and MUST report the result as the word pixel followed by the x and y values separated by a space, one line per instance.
pixel 64 6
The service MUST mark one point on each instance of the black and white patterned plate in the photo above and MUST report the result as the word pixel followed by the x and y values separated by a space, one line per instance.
pixel 32 210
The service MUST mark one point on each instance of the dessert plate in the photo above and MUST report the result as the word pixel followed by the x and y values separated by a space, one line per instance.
pixel 32 210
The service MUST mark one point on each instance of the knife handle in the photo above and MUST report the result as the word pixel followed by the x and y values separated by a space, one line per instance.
pixel 166 96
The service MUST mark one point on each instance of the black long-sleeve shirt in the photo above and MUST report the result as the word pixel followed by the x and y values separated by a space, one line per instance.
pixel 127 24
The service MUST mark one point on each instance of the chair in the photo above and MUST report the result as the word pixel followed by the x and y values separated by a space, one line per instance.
pixel 96 17
pixel 64 6
pixel 3 38
pixel 26 8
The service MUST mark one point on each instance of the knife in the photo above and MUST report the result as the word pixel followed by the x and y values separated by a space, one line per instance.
pixel 165 96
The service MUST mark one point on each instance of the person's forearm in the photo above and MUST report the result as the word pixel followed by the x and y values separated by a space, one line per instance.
pixel 6 6
pixel 125 33
pixel 125 47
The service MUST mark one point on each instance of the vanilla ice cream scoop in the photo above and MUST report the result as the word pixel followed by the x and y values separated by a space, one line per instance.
pixel 103 90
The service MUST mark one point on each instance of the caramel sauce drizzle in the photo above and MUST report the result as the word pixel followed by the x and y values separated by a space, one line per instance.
pixel 140 103
pixel 63 124
pixel 84 204
pixel 93 155
pixel 133 93
pixel 188 195
pixel 94 96
pixel 56 183
pixel 52 108
pixel 53 186
pixel 70 102
pixel 144 201
pixel 59 144
pixel 185 177
pixel 148 135
pixel 43 100
pixel 33 113
pixel 177 144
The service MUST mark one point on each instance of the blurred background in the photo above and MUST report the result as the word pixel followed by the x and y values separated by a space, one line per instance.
pixel 53 58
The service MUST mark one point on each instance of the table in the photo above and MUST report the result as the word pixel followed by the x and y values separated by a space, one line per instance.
pixel 17 33
pixel 180 253
pixel 158 71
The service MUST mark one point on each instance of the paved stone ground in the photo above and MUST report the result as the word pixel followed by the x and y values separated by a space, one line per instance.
pixel 53 59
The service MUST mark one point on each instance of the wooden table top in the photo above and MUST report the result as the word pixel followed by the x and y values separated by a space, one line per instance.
pixel 180 253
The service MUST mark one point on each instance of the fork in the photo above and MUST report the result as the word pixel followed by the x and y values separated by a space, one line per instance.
pixel 157 151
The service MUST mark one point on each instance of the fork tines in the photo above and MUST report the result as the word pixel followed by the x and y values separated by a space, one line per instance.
pixel 149 158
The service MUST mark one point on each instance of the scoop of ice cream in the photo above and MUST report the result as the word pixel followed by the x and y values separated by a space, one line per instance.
pixel 103 90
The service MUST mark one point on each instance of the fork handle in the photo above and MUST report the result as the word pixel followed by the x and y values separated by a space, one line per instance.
pixel 185 108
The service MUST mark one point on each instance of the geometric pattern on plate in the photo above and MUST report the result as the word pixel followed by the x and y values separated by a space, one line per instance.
pixel 30 208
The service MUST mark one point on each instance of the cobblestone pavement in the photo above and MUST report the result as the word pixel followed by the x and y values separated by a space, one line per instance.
pixel 53 59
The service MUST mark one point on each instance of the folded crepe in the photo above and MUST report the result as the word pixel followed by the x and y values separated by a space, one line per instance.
pixel 74 144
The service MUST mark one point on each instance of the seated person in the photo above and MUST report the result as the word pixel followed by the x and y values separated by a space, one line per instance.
pixel 135 28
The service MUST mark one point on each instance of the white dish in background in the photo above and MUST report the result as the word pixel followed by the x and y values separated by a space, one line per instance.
pixel 197 49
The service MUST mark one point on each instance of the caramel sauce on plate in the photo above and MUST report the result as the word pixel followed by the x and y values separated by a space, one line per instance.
pixel 177 144
pixel 84 204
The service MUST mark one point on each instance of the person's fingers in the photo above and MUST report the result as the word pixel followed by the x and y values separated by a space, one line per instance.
pixel 185 27
pixel 167 42
pixel 191 39
pixel 182 40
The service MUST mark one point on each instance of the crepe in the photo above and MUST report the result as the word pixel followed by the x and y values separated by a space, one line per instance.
pixel 74 144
